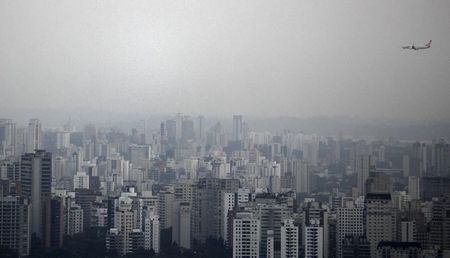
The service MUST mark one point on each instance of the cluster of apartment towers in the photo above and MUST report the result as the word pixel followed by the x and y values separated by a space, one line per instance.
pixel 252 190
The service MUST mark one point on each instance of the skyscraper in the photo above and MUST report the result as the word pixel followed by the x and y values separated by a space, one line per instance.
pixel 200 128
pixel 440 223
pixel 36 178
pixel 349 223
pixel 440 159
pixel 379 219
pixel 15 224
pixel 362 167
pixel 289 239
pixel 33 136
pixel 302 177
pixel 246 235
pixel 171 130
pixel 187 129
pixel 237 128
pixel 208 206
pixel 314 239
pixel 7 138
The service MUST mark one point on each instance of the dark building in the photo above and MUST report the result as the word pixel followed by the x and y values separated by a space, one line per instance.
pixel 137 241
pixel 332 234
pixel 388 249
pixel 439 159
pixel 14 224
pixel 355 246
pixel 54 223
pixel 36 178
pixel 433 187
pixel 85 198
pixel 440 223
pixel 208 205
pixel 94 183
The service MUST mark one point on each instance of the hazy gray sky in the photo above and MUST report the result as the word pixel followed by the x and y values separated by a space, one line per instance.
pixel 255 57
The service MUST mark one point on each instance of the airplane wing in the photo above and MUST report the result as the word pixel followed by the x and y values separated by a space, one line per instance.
pixel 406 47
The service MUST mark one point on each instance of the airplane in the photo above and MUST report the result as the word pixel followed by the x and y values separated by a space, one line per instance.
pixel 413 47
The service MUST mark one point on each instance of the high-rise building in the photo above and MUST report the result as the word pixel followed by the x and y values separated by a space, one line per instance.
pixel 15 216
pixel 187 129
pixel 62 140
pixel 165 208
pixel 74 218
pixel 349 222
pixel 200 128
pixel 289 239
pixel 363 165
pixel 378 182
pixel 440 223
pixel 151 230
pixel 237 128
pixel 440 154
pixel 182 213
pixel 139 155
pixel 314 239
pixel 316 215
pixel 246 235
pixel 380 220
pixel 271 215
pixel 7 138
pixel 355 246
pixel 11 169
pixel 302 178
pixel 81 180
pixel 414 187
pixel 270 246
pixel 208 206
pixel 399 249
pixel 430 187
pixel 184 235
pixel 54 224
pixel 85 198
pixel 229 202
pixel 171 129
pixel 36 179
pixel 125 222
pixel 33 136
pixel 408 231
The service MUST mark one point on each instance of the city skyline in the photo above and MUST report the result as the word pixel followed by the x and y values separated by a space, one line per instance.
pixel 225 129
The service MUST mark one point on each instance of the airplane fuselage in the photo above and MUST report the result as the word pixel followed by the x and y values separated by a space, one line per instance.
pixel 418 47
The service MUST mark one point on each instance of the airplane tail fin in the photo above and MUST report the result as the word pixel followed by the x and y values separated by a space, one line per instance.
pixel 428 44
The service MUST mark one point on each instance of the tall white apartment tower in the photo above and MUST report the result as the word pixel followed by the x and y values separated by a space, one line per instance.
pixel 313 239
pixel 289 239
pixel 228 205
pixel 151 231
pixel 270 253
pixel 33 136
pixel 246 232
